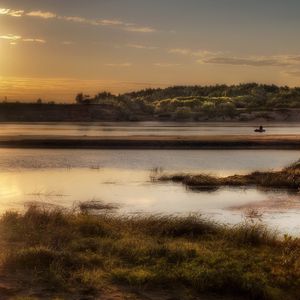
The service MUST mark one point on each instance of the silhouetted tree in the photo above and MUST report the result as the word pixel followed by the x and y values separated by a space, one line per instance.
pixel 79 98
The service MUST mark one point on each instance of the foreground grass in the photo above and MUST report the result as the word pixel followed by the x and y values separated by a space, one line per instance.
pixel 288 177
pixel 64 253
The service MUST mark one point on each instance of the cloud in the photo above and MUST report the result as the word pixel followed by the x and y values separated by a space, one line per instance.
pixel 14 38
pixel 253 62
pixel 131 27
pixel 16 13
pixel 4 11
pixel 100 22
pixel 126 65
pixel 180 51
pixel 138 46
pixel 107 22
pixel 41 14
pixel 202 55
pixel 34 40
pixel 198 53
pixel 139 29
pixel 11 12
pixel 10 37
pixel 206 53
pixel 219 58
pixel 166 65
pixel 76 20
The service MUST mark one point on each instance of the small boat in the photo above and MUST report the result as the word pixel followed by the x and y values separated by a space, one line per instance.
pixel 260 129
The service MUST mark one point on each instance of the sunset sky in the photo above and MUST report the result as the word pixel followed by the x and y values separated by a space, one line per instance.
pixel 55 48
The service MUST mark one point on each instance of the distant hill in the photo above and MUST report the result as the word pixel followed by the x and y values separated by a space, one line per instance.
pixel 243 102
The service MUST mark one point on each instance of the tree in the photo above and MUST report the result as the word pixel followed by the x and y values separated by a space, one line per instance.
pixel 209 108
pixel 79 98
pixel 227 109
pixel 183 113
pixel 82 99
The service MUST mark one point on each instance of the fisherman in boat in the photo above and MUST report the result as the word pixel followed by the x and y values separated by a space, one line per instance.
pixel 260 129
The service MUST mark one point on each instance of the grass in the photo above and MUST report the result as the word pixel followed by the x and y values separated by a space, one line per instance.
pixel 69 254
pixel 288 178
pixel 94 205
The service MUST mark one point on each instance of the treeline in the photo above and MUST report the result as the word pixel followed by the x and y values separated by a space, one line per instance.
pixel 199 102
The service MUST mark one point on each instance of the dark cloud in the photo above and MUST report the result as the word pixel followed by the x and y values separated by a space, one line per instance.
pixel 253 62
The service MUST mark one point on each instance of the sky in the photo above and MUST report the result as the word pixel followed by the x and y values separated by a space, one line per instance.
pixel 53 49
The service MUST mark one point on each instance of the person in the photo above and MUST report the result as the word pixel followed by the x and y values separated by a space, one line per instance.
pixel 260 129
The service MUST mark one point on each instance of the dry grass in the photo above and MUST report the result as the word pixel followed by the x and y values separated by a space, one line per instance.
pixel 75 253
pixel 95 205
pixel 288 178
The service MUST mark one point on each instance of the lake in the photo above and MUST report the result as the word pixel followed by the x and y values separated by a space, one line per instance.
pixel 143 128
pixel 65 177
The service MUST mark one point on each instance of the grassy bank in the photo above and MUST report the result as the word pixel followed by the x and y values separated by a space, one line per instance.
pixel 54 254
pixel 288 177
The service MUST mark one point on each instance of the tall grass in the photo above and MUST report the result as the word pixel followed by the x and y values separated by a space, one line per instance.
pixel 75 253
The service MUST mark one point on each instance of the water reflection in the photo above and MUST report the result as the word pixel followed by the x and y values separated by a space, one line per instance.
pixel 143 128
pixel 218 162
pixel 133 192
pixel 123 177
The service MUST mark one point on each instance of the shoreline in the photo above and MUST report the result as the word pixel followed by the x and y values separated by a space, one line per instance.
pixel 143 142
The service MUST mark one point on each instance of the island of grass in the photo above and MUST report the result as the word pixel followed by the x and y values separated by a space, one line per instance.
pixel 287 178
pixel 58 254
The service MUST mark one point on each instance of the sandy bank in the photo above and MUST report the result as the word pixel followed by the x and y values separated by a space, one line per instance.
pixel 155 142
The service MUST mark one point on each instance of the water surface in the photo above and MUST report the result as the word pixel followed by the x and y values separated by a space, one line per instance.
pixel 65 177
pixel 143 128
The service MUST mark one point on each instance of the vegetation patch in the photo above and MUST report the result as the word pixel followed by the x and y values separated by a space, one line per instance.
pixel 69 254
pixel 94 205
pixel 288 178
pixel 243 102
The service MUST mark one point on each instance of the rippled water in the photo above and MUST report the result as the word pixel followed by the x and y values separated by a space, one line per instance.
pixel 63 177
pixel 143 128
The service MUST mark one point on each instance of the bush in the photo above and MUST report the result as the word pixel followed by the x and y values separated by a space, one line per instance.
pixel 183 113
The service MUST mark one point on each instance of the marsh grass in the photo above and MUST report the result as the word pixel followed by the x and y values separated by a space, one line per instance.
pixel 74 252
pixel 287 178
pixel 96 205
